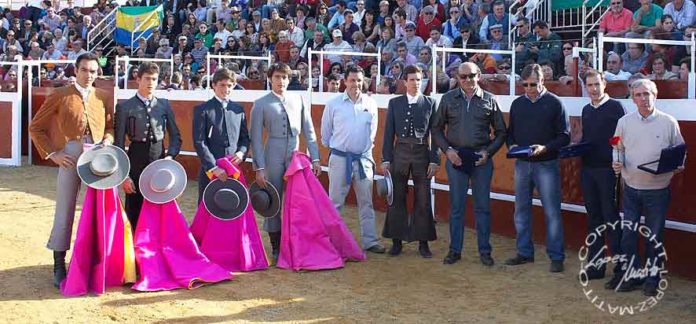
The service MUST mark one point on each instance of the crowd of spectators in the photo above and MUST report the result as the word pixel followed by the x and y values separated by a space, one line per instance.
pixel 403 31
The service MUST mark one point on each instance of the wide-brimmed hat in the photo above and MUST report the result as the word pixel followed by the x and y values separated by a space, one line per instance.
pixel 162 181
pixel 226 200
pixel 266 201
pixel 385 187
pixel 103 166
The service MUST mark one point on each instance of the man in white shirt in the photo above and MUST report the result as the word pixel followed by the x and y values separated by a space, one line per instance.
pixel 436 38
pixel 338 45
pixel 348 129
pixel 295 34
pixel 614 71
pixel 222 32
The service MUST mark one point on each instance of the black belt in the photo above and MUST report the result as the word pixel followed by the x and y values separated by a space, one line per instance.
pixel 411 140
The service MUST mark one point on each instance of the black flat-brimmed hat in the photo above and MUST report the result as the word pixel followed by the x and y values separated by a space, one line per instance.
pixel 385 187
pixel 226 200
pixel 103 166
pixel 162 181
pixel 266 201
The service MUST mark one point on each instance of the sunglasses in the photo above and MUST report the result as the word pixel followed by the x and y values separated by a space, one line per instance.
pixel 529 84
pixel 567 48
pixel 615 3
pixel 428 13
pixel 468 76
pixel 454 12
pixel 504 67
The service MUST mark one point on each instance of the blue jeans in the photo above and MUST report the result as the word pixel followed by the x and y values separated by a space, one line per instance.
pixel 545 176
pixel 653 204
pixel 481 189
pixel 599 193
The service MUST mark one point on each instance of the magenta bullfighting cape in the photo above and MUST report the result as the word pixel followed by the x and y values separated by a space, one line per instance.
pixel 103 252
pixel 166 253
pixel 314 234
pixel 234 244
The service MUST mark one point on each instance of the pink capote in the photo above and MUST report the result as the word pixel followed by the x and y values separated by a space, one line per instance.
pixel 103 252
pixel 167 255
pixel 314 234
pixel 235 244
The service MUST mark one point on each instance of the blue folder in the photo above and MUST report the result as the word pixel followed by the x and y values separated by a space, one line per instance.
pixel 519 152
pixel 469 158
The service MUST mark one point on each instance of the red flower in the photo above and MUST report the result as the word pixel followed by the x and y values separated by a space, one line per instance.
pixel 615 140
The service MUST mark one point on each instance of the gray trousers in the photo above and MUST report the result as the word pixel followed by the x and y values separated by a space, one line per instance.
pixel 338 190
pixel 67 188
pixel 277 160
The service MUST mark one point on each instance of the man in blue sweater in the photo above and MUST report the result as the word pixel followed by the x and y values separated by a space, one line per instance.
pixel 538 120
pixel 597 178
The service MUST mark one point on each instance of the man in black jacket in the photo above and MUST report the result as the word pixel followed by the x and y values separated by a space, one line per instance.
pixel 407 152
pixel 538 121
pixel 219 129
pixel 144 120
pixel 469 113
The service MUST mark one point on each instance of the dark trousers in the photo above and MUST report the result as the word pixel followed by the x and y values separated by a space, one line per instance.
pixel 653 205
pixel 598 191
pixel 410 161
pixel 140 155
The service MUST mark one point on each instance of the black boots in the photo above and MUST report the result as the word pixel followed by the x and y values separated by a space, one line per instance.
pixel 396 247
pixel 59 271
pixel 275 245
pixel 424 250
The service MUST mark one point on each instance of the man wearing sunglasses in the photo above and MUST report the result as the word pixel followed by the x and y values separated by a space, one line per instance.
pixel 469 113
pixel 616 23
pixel 539 121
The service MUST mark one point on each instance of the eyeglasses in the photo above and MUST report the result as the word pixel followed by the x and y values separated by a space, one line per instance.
pixel 504 67
pixel 468 76
pixel 529 84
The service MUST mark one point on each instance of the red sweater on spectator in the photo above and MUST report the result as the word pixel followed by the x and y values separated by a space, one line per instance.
pixel 423 29
pixel 282 51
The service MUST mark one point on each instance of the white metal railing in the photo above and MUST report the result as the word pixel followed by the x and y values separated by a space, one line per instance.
pixel 593 50
pixel 446 50
pixel 15 158
pixel 601 39
pixel 105 27
pixel 592 17
pixel 321 54
pixel 267 58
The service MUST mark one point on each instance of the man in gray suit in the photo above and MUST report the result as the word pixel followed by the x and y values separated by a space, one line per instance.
pixel 348 128
pixel 284 116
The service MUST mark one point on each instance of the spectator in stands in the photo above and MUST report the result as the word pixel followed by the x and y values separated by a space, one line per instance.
pixel 270 5
pixel 11 41
pixel 439 9
pixel 383 12
pixel 496 41
pixel 425 57
pixel 359 12
pixel 295 34
pixel 205 35
pixel 76 50
pixel 334 84
pixel 282 47
pixel 199 52
pixel 614 70
pixel 672 53
pixel 386 40
pixel 404 55
pixel 338 45
pixel 59 41
pixel 316 78
pixel 634 58
pixel 469 11
pixel 221 32
pixel 498 17
pixel 176 81
pixel 300 17
pixel 436 38
pixel 684 66
pixel 618 21
pixel 337 69
pixel 359 42
pixel 644 19
pixel 683 12
pixel 389 24
pixel 312 26
pixel 370 27
pixel 52 19
pixel 396 70
pixel 264 46
pixel 660 66
pixel 277 23
pixel 547 68
pixel 400 23
pixel 549 44
pixel 348 27
pixel 338 17
pixel 316 43
pixel 165 51
pixel 485 62
pixel 322 15
pixel 232 45
pixel 502 72
pixel 467 39
pixel 303 70
pixel 413 42
pixel 426 22
pixel 668 28
pixel 51 53
pixel 386 85
pixel 453 25
pixel 182 46
pixel 35 52
pixel 295 83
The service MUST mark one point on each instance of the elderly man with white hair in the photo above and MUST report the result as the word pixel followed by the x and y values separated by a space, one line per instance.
pixel 644 134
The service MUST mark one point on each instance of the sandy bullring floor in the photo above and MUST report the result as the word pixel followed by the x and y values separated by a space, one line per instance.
pixel 405 289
